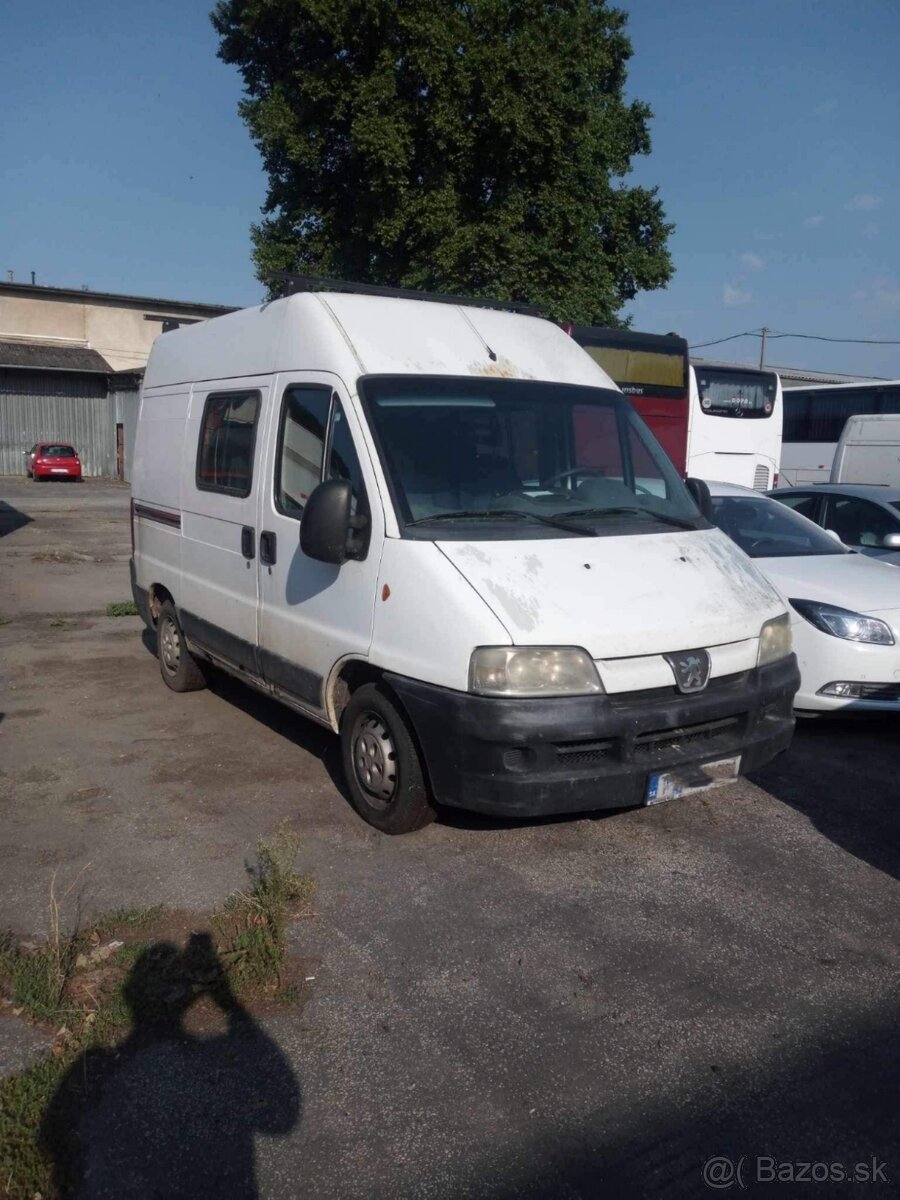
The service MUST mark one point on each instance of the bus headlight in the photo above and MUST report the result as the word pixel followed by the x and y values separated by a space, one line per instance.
pixel 533 671
pixel 775 640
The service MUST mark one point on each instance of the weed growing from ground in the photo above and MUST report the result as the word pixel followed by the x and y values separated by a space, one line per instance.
pixel 122 608
pixel 74 985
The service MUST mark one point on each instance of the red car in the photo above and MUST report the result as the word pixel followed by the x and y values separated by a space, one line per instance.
pixel 53 460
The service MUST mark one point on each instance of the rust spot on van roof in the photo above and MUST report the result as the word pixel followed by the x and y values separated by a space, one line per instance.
pixel 501 369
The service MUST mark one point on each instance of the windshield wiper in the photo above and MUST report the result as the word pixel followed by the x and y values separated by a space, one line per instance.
pixel 491 513
pixel 678 522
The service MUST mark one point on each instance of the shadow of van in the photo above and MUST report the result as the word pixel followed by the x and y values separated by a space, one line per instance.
pixel 12 518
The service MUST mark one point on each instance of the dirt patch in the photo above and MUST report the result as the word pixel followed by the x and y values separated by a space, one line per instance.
pixel 86 793
pixel 38 775
pixel 22 713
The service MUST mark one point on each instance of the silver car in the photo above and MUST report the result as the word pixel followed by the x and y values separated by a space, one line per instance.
pixel 865 517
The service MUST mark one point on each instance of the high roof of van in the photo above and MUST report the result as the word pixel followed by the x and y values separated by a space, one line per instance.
pixel 350 336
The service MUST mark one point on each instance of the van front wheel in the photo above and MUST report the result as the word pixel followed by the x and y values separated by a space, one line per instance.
pixel 381 763
pixel 178 667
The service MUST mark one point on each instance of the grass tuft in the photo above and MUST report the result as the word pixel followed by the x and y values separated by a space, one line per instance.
pixel 250 929
pixel 119 920
pixel 122 608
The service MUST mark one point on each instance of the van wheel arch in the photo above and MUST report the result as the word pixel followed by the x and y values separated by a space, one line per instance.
pixel 351 676
pixel 158 597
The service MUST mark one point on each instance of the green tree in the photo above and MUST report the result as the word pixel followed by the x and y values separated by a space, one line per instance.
pixel 469 146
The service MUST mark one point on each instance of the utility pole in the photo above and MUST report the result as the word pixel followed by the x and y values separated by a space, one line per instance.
pixel 762 347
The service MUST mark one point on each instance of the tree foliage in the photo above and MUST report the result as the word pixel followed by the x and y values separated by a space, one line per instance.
pixel 468 146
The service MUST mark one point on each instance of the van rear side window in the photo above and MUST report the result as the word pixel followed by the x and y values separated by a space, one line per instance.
pixel 227 439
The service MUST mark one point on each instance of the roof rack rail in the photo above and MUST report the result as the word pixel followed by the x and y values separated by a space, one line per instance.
pixel 291 284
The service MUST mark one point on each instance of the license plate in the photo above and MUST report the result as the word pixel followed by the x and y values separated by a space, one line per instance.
pixel 59 470
pixel 698 777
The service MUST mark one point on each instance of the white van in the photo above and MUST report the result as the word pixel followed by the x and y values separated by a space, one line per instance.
pixel 868 451
pixel 443 533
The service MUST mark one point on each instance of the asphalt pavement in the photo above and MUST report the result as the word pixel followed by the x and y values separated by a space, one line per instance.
pixel 586 1007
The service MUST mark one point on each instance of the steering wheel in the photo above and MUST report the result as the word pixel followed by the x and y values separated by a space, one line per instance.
pixel 763 541
pixel 569 472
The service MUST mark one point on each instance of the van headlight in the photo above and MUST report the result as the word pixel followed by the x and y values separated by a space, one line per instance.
pixel 842 623
pixel 775 640
pixel 533 671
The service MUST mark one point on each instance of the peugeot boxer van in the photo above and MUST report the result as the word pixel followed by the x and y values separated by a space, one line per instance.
pixel 441 531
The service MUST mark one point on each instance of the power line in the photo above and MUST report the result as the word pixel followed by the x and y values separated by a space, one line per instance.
pixel 817 337
pixel 719 341
pixel 813 337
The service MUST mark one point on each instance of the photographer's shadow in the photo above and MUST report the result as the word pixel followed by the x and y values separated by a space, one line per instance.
pixel 168 1112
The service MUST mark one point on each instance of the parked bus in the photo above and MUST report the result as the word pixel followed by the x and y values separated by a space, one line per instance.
pixel 724 423
pixel 653 371
pixel 735 425
pixel 814 419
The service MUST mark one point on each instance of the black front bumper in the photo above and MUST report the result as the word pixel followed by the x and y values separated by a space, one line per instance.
pixel 525 758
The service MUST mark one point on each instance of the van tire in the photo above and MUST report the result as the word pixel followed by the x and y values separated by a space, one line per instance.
pixel 381 763
pixel 178 667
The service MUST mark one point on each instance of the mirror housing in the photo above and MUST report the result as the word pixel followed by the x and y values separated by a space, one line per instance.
pixel 833 534
pixel 328 530
pixel 891 541
pixel 699 490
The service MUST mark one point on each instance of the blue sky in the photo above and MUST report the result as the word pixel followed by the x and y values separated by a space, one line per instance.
pixel 124 165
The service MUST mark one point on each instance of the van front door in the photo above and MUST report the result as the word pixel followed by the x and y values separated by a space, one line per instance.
pixel 311 613
pixel 223 456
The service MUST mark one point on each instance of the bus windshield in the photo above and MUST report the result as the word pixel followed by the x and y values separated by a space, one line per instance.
pixel 641 364
pixel 520 458
pixel 725 393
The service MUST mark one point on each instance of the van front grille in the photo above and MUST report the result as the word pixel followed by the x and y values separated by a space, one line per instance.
pixel 687 737
pixel 583 754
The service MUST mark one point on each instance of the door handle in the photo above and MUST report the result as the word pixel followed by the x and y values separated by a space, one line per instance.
pixel 267 548
pixel 248 536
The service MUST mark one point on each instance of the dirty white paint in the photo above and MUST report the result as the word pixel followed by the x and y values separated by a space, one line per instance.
pixel 620 597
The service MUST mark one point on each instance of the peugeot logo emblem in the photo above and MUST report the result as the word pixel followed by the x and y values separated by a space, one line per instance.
pixel 690 668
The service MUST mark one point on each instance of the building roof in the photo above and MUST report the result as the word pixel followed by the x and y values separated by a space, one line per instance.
pixel 791 376
pixel 43 357
pixel 37 291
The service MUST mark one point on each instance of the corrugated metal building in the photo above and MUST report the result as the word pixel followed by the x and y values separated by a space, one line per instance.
pixel 70 368
pixel 55 392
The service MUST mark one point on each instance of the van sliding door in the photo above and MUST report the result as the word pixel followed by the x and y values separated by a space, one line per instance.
pixel 223 457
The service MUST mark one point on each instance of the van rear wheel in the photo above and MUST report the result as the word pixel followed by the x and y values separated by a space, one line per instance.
pixel 381 763
pixel 178 667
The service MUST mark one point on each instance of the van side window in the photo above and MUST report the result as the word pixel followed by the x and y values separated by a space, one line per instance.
pixel 301 446
pixel 343 462
pixel 227 439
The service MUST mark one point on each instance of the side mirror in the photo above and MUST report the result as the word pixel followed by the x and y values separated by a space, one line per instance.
pixel 837 537
pixel 328 530
pixel 699 489
pixel 891 541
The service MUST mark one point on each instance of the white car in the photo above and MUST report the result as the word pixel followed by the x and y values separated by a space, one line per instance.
pixel 845 607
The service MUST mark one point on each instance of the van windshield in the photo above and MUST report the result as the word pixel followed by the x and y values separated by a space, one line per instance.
pixel 519 458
